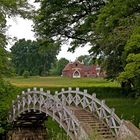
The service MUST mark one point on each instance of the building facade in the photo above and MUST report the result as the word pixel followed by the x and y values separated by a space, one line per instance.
pixel 77 70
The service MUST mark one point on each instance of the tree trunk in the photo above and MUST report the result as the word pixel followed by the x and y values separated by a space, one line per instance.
pixel 126 88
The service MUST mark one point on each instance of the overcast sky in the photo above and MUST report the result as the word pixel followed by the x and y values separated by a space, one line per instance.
pixel 22 28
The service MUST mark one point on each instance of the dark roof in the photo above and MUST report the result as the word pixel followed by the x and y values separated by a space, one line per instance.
pixel 70 65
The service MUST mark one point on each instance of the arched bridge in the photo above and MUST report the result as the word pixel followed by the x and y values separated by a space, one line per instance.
pixel 79 113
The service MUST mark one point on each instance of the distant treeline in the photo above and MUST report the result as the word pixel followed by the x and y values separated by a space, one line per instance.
pixel 39 58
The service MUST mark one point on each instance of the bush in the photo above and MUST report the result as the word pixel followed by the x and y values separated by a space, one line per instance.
pixel 137 101
pixel 7 94
pixel 26 74
pixel 44 73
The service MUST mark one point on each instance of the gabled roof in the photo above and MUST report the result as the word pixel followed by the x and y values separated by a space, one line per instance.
pixel 68 66
pixel 71 65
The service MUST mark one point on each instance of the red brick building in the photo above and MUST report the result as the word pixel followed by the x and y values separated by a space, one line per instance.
pixel 77 69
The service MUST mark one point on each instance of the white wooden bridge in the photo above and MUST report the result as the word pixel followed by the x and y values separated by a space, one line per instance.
pixel 78 113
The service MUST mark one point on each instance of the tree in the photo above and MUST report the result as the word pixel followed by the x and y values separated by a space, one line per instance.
pixel 48 51
pixel 116 25
pixel 2 62
pixel 115 29
pixel 8 8
pixel 24 54
pixel 58 67
pixel 67 19
pixel 131 71
pixel 35 57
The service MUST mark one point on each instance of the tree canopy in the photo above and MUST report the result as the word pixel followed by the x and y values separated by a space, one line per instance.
pixel 35 57
pixel 118 26
pixel 131 71
pixel 58 66
pixel 9 8
pixel 67 19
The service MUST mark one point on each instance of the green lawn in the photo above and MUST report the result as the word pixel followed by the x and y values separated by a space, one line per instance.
pixel 126 108
pixel 61 82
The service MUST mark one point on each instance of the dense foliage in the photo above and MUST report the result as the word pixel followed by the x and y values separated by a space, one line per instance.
pixel 35 57
pixel 7 94
pixel 132 68
pixel 58 67
pixel 26 74
pixel 9 8
pixel 118 25
pixel 3 62
pixel 67 19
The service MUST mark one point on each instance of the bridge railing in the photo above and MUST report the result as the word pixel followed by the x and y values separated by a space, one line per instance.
pixel 45 102
pixel 56 107
pixel 98 107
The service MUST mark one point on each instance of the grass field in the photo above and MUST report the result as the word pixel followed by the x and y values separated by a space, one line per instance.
pixel 126 108
pixel 61 82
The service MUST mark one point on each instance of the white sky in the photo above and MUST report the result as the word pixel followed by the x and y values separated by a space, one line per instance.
pixel 22 28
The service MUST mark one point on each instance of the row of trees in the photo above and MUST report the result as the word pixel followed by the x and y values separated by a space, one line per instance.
pixel 39 58
pixel 36 57
pixel 111 27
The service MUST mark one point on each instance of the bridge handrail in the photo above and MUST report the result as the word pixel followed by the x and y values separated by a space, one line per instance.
pixel 47 94
pixel 116 121
pixel 78 98
pixel 95 99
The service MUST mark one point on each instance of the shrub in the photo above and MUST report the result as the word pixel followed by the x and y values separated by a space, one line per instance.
pixel 44 73
pixel 26 74
pixel 7 94
pixel 137 101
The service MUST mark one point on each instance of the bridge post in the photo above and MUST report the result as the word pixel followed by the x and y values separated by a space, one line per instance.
pixel 69 89
pixel 35 89
pixel 93 105
pixel 101 110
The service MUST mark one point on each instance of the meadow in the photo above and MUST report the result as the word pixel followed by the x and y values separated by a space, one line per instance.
pixel 37 81
pixel 126 107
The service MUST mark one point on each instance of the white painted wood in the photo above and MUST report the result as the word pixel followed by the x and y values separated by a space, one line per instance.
pixel 53 108
pixel 56 107
pixel 90 102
